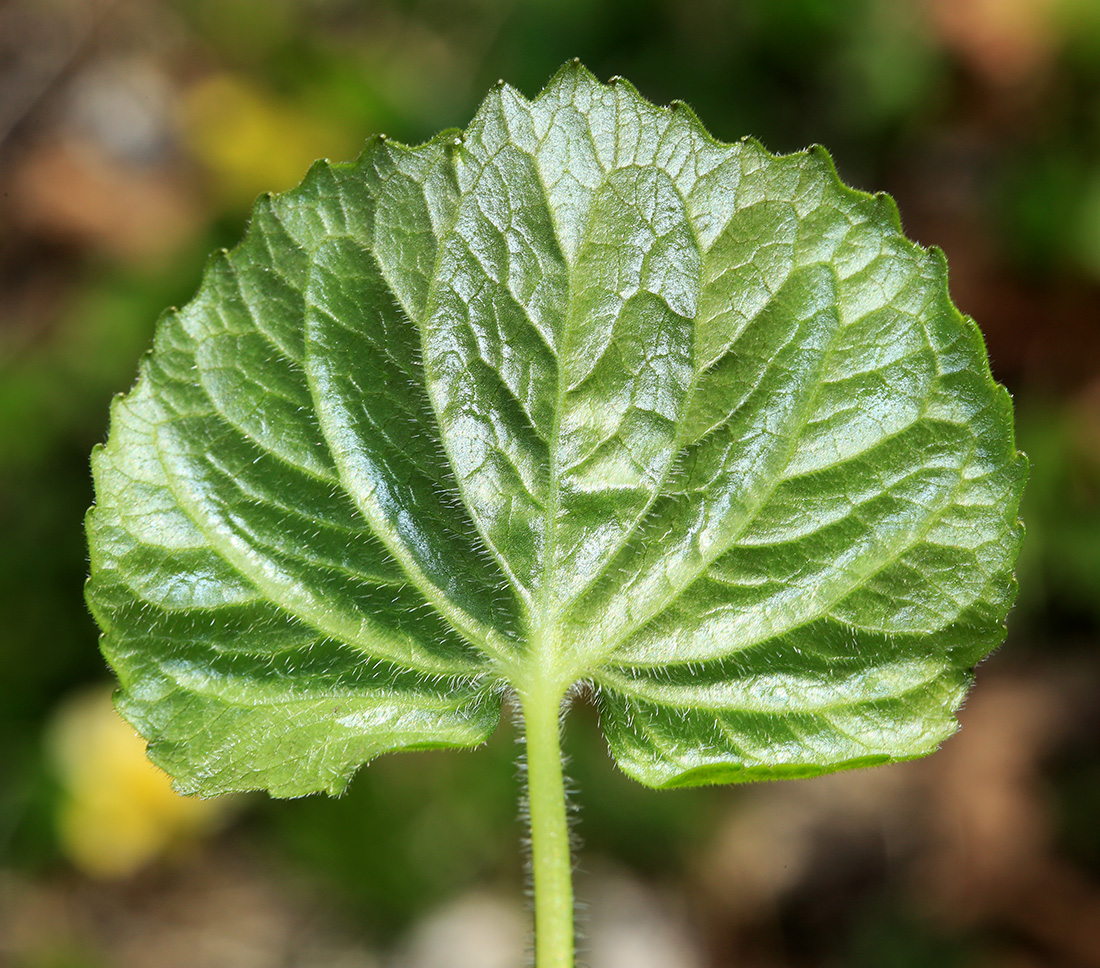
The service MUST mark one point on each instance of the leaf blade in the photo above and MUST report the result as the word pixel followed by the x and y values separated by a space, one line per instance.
pixel 696 418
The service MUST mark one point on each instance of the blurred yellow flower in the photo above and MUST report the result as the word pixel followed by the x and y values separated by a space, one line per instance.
pixel 251 142
pixel 117 812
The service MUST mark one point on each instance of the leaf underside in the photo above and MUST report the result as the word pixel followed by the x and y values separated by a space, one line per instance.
pixel 580 392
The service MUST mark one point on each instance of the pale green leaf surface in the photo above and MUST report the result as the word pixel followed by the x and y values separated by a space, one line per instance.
pixel 581 394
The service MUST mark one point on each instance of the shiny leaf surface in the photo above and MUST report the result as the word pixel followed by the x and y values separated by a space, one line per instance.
pixel 580 394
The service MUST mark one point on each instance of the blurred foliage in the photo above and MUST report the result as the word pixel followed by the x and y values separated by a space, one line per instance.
pixel 1077 782
pixel 1059 571
pixel 883 938
pixel 113 189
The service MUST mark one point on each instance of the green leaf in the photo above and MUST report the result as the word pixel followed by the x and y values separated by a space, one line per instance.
pixel 579 395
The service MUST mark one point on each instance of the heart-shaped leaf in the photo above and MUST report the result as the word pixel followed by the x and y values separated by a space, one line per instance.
pixel 579 395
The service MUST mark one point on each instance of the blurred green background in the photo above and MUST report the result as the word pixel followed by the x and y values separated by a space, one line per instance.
pixel 134 137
